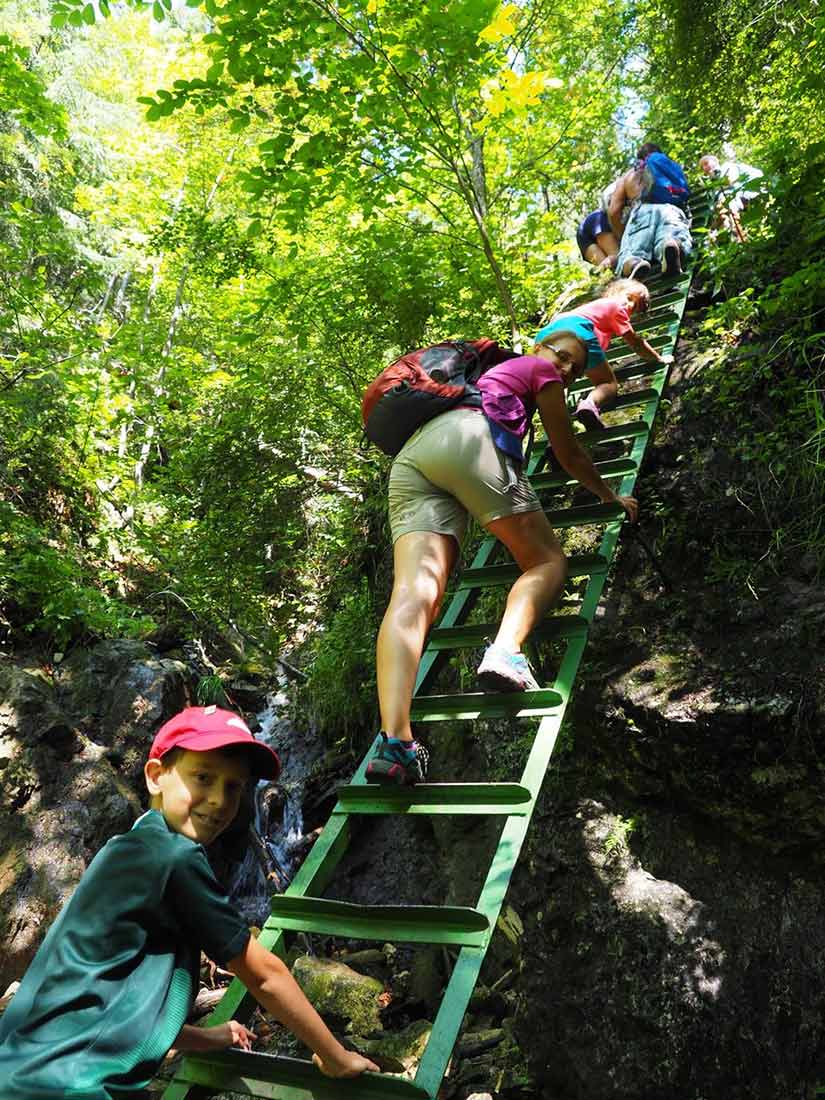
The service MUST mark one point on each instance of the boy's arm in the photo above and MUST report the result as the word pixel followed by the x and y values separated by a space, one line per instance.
pixel 641 347
pixel 271 984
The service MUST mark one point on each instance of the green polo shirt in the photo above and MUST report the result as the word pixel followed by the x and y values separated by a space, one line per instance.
pixel 110 987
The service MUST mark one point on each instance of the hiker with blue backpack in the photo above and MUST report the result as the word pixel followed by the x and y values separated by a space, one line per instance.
pixel 457 436
pixel 658 229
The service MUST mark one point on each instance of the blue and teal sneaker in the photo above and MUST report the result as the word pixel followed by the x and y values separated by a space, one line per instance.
pixel 401 762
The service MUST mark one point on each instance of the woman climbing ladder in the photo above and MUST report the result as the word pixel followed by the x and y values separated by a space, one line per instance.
pixel 469 462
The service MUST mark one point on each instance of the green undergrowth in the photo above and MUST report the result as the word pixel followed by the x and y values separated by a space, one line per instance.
pixel 757 404
pixel 52 587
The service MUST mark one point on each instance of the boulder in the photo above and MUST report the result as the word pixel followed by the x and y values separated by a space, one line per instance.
pixel 338 991
pixel 399 1051
pixel 73 741
pixel 662 960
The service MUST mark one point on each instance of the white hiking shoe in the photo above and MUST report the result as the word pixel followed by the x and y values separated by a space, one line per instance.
pixel 501 670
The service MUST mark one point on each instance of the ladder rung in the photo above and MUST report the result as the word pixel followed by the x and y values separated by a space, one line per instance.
pixel 665 298
pixel 634 397
pixel 668 282
pixel 631 430
pixel 479 704
pixel 463 637
pixel 557 479
pixel 659 315
pixel 402 923
pixel 659 341
pixel 641 368
pixel 275 1077
pixel 435 798
pixel 585 513
pixel 494 576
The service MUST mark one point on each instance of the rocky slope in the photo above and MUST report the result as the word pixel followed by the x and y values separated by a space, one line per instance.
pixel 73 740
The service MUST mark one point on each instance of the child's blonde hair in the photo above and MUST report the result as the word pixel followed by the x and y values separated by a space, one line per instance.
pixel 629 286
pixel 551 338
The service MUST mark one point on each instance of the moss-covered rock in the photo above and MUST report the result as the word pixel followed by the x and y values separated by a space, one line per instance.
pixel 338 991
pixel 399 1051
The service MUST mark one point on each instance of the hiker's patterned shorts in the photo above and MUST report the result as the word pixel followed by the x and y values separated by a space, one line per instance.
pixel 449 469
pixel 649 228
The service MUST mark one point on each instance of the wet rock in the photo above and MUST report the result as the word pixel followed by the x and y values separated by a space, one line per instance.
pixel 5 1000
pixel 401 1050
pixel 426 978
pixel 342 993
pixel 371 956
pixel 122 693
pixel 666 964
pixel 73 741
pixel 475 1042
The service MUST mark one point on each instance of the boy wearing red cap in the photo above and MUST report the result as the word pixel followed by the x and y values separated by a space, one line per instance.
pixel 108 993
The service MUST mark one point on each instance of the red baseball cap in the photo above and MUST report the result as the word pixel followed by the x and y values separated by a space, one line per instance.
pixel 205 728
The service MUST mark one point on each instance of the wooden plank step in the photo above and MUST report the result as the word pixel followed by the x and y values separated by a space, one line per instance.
pixel 274 1077
pixel 494 576
pixel 479 704
pixel 397 923
pixel 435 798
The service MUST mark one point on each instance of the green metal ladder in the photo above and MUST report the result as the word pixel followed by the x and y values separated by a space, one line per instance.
pixel 302 909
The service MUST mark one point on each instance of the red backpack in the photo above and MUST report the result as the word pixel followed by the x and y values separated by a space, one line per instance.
pixel 422 384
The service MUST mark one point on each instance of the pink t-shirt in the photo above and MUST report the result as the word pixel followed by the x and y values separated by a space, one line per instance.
pixel 509 391
pixel 609 317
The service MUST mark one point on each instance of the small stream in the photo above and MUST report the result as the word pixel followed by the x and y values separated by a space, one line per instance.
pixel 278 813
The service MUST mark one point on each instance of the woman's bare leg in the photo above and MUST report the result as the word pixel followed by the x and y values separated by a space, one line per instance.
pixel 595 255
pixel 609 246
pixel 537 551
pixel 422 564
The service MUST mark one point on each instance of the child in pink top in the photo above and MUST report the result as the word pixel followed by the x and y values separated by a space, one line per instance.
pixel 508 398
pixel 597 323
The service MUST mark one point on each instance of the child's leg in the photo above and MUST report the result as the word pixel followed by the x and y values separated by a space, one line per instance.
pixel 605 388
pixel 673 240
pixel 604 393
pixel 422 564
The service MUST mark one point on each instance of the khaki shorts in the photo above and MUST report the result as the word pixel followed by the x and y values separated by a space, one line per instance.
pixel 450 467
